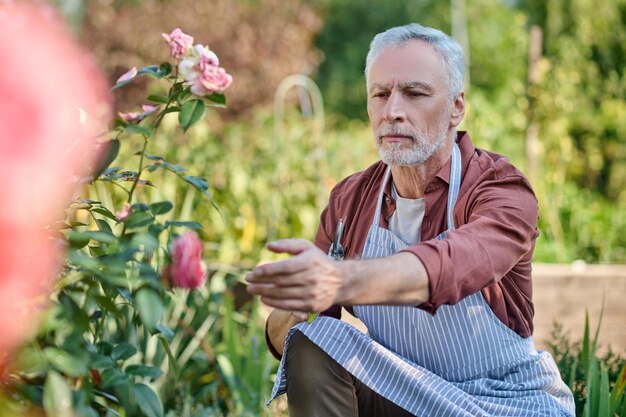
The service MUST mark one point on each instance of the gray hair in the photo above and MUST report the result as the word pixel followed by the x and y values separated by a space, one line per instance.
pixel 450 51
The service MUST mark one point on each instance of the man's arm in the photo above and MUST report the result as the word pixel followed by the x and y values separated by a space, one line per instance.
pixel 310 281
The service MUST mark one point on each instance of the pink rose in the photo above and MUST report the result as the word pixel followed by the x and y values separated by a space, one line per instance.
pixel 179 42
pixel 147 110
pixel 45 144
pixel 124 212
pixel 187 269
pixel 128 75
pixel 206 56
pixel 202 73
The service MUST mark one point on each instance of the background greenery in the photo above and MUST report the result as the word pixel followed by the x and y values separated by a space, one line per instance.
pixel 577 101
pixel 271 182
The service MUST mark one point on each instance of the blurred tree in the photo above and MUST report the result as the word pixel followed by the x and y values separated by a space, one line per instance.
pixel 259 41
pixel 349 26
pixel 582 95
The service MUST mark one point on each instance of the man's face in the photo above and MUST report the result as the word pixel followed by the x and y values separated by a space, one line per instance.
pixel 408 104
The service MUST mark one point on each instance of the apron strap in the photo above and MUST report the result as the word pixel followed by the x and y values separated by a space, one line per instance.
pixel 381 193
pixel 455 184
pixel 453 190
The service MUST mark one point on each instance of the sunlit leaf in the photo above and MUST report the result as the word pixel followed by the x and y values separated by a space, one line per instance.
pixel 148 401
pixel 57 396
pixel 65 362
pixel 150 307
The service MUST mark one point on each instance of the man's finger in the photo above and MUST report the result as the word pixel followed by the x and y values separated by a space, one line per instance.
pixel 274 291
pixel 279 280
pixel 291 246
pixel 285 267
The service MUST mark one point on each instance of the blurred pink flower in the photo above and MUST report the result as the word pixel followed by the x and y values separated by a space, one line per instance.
pixel 127 76
pixel 147 110
pixel 45 141
pixel 179 42
pixel 202 73
pixel 128 117
pixel 187 269
pixel 124 212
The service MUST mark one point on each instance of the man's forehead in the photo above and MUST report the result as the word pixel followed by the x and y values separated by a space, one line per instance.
pixel 414 62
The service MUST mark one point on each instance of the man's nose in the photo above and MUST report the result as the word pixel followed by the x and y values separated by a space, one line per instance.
pixel 394 108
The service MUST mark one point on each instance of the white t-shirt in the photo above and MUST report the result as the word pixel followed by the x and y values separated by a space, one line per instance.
pixel 406 221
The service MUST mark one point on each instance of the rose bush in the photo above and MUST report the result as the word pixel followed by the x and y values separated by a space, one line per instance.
pixel 125 335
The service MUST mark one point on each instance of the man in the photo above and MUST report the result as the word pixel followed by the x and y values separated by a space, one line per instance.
pixel 446 296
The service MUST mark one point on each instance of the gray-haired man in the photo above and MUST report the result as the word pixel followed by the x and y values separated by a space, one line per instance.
pixel 439 237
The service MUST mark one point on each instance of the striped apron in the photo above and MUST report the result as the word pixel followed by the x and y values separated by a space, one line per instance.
pixel 462 361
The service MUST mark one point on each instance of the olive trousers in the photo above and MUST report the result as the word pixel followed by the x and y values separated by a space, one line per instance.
pixel 317 386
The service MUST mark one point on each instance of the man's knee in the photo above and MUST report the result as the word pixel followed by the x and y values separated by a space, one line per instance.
pixel 307 366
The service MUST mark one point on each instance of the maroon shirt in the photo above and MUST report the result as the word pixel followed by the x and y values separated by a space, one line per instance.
pixel 490 250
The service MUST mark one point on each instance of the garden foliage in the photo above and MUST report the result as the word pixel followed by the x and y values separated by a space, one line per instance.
pixel 134 329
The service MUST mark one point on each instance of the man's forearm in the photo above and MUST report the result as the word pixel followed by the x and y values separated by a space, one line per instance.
pixel 400 279
pixel 312 282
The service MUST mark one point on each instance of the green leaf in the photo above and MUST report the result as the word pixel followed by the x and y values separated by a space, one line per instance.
pixel 158 98
pixel 197 182
pixel 150 307
pixel 145 241
pixel 65 362
pixel 112 377
pixel 165 331
pixel 180 223
pixel 139 219
pixel 144 370
pixel 57 396
pixel 619 391
pixel 585 352
pixel 105 212
pixel 191 112
pixel 161 207
pixel 603 403
pixel 165 68
pixel 123 351
pixel 80 239
pixel 148 401
pixel 142 130
pixel 173 362
pixel 104 227
pixel 113 149
pixel 228 373
pixel 217 98
pixel 98 361
pixel 84 261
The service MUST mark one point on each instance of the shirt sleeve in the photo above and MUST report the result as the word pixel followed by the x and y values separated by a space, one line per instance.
pixel 498 227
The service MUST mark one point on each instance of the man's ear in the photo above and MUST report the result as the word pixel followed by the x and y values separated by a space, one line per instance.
pixel 458 110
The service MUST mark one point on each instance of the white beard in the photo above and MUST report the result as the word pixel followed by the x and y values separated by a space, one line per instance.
pixel 420 150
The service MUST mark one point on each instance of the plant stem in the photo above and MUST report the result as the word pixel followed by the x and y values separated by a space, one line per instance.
pixel 143 151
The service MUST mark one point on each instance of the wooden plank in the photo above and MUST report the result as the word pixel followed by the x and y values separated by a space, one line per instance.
pixel 563 293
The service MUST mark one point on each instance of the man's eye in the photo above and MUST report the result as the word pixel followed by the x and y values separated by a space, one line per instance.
pixel 379 94
pixel 415 93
